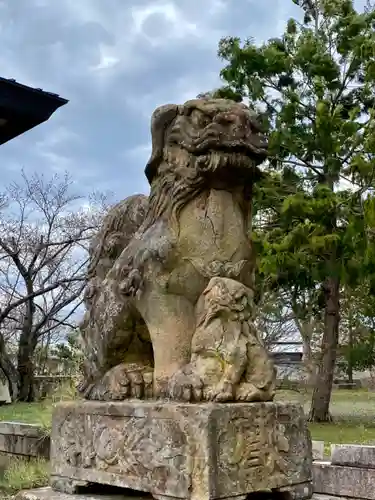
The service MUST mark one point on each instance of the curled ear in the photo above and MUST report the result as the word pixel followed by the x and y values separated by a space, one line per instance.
pixel 161 118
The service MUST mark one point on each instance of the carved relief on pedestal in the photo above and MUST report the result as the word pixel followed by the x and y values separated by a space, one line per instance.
pixel 253 450
pixel 73 448
pixel 155 451
pixel 182 450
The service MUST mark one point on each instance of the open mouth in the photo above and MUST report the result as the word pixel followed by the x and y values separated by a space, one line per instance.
pixel 223 159
pixel 257 148
pixel 244 149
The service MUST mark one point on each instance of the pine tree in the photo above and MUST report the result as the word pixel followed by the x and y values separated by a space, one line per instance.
pixel 315 88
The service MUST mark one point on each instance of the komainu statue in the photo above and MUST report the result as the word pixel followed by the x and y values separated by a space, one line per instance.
pixel 170 283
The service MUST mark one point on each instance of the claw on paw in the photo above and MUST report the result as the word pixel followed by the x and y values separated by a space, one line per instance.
pixel 220 393
pixel 250 393
pixel 121 382
pixel 185 386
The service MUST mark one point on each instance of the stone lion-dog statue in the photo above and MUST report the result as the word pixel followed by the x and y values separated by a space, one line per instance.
pixel 170 282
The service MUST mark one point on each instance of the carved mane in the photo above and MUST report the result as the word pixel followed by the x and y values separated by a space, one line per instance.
pixel 116 230
pixel 184 140
pixel 176 169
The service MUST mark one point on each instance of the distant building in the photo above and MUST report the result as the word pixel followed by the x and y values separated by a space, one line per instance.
pixel 289 365
pixel 287 357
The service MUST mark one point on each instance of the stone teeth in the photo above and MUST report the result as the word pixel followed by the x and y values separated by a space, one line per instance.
pixel 215 160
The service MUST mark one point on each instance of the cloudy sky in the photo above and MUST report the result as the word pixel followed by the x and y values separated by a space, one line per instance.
pixel 115 60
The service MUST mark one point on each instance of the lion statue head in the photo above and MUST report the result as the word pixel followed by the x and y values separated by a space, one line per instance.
pixel 204 142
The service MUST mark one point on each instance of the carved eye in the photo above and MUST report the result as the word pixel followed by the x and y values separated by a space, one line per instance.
pixel 200 119
pixel 205 120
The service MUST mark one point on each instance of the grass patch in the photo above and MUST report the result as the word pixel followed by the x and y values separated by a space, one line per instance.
pixel 28 413
pixel 352 411
pixel 303 396
pixel 24 474
pixel 39 413
pixel 342 433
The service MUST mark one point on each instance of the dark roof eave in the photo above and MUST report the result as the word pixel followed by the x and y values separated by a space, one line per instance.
pixel 23 108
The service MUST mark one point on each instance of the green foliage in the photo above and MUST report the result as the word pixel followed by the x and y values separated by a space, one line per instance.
pixel 361 354
pixel 30 413
pixel 69 353
pixel 357 336
pixel 315 89
pixel 66 391
pixel 22 474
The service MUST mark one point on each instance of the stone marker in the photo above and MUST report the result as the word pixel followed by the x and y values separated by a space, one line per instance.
pixel 20 439
pixel 343 481
pixel 318 450
pixel 353 455
pixel 179 383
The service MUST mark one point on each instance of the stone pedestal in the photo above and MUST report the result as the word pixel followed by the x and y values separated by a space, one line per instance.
pixel 187 451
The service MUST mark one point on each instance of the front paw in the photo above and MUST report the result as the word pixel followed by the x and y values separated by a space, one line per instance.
pixel 122 382
pixel 221 393
pixel 185 386
pixel 249 393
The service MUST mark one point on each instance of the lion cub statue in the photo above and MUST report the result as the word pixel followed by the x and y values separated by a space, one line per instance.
pixel 170 282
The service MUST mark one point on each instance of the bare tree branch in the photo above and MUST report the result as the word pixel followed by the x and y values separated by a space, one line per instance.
pixel 44 237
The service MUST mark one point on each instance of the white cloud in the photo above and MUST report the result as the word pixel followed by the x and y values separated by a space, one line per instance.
pixel 49 148
pixel 177 25
pixel 88 11
pixel 60 136
pixel 177 91
pixel 216 7
pixel 147 28
pixel 106 60
pixel 142 151
pixel 115 61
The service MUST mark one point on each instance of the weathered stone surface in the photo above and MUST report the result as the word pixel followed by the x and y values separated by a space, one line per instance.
pixel 225 349
pixel 49 494
pixel 194 451
pixel 353 455
pixel 301 491
pixel 23 439
pixel 320 496
pixel 343 481
pixel 181 262
pixel 318 450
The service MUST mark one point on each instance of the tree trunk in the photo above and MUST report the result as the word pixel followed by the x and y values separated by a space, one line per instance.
pixel 9 370
pixel 26 350
pixel 308 362
pixel 305 325
pixel 350 362
pixel 323 386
